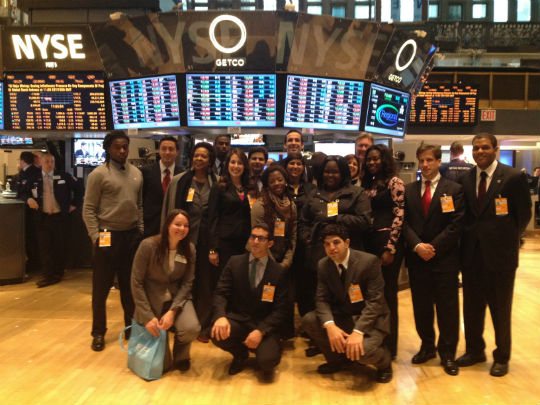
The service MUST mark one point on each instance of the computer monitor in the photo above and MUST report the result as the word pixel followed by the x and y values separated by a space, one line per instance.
pixel 247 139
pixel 387 111
pixel 88 152
pixel 507 157
pixel 7 141
pixel 341 149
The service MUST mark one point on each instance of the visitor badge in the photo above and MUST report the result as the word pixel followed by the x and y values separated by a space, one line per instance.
pixel 104 239
pixel 355 293
pixel 61 182
pixel 501 206
pixel 447 204
pixel 268 293
pixel 180 258
pixel 190 194
pixel 251 201
pixel 279 228
pixel 332 208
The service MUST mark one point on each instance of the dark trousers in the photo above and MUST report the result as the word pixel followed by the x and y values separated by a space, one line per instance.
pixel 206 278
pixel 31 243
pixel 495 288
pixel 305 281
pixel 52 238
pixel 267 355
pixel 375 352
pixel 429 289
pixel 391 275
pixel 108 262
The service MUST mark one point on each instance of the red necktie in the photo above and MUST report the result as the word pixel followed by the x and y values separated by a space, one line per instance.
pixel 482 187
pixel 166 180
pixel 426 198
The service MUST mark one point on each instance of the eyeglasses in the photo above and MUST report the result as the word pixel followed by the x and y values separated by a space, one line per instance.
pixel 260 238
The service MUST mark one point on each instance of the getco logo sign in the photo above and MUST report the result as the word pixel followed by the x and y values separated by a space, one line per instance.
pixel 387 115
pixel 400 68
pixel 232 49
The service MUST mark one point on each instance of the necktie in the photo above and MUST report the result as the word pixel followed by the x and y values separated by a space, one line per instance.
pixel 253 274
pixel 482 187
pixel 426 198
pixel 220 169
pixel 47 194
pixel 166 180
pixel 343 273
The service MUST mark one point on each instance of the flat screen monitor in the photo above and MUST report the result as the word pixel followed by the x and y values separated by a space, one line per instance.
pixel 56 101
pixel 1 105
pixel 275 156
pixel 231 100
pixel 444 105
pixel 445 157
pixel 6 140
pixel 247 139
pixel 340 149
pixel 323 103
pixel 88 152
pixel 507 157
pixel 387 111
pixel 147 102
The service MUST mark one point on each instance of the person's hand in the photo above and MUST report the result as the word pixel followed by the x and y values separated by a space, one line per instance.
pixel 32 203
pixel 354 347
pixel 337 337
pixel 72 208
pixel 213 258
pixel 221 329
pixel 387 258
pixel 425 251
pixel 152 326
pixel 253 339
pixel 166 320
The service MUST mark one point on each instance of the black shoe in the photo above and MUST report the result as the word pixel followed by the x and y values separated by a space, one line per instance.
pixel 450 367
pixel 499 369
pixel 468 359
pixel 238 363
pixel 183 365
pixel 44 282
pixel 330 368
pixel 98 343
pixel 267 376
pixel 423 355
pixel 312 351
pixel 384 375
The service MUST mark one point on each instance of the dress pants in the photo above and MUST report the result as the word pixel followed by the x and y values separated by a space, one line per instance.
pixel 391 275
pixel 108 262
pixel 52 231
pixel 31 244
pixel 440 289
pixel 495 288
pixel 267 355
pixel 375 352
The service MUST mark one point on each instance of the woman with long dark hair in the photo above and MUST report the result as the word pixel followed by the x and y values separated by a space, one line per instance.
pixel 354 167
pixel 161 280
pixel 386 192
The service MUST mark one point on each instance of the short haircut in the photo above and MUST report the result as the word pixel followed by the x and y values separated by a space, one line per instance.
pixel 334 230
pixel 424 147
pixel 295 131
pixel 343 167
pixel 222 136
pixel 264 226
pixel 27 157
pixel 171 139
pixel 43 154
pixel 486 135
pixel 209 148
pixel 258 149
pixel 365 135
pixel 456 148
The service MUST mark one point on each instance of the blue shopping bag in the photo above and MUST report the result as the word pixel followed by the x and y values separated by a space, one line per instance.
pixel 145 352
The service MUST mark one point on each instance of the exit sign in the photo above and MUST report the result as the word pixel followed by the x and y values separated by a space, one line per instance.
pixel 488 115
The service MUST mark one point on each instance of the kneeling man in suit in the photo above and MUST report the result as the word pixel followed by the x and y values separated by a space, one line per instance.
pixel 250 305
pixel 351 317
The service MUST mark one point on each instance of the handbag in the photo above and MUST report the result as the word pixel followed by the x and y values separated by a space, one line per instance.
pixel 145 352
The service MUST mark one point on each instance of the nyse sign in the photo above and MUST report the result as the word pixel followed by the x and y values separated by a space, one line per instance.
pixel 57 46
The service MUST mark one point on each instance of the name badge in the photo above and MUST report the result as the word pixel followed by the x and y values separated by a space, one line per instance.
pixel 104 239
pixel 332 208
pixel 190 194
pixel 268 293
pixel 251 201
pixel 447 204
pixel 56 177
pixel 180 258
pixel 501 206
pixel 355 293
pixel 279 228
pixel 61 182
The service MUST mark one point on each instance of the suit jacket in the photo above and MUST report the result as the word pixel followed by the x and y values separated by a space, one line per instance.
pixel 153 197
pixel 152 283
pixel 27 178
pixel 442 230
pixel 234 298
pixel 67 191
pixel 333 298
pixel 496 235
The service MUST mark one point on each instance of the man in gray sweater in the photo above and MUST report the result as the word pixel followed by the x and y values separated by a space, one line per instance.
pixel 113 215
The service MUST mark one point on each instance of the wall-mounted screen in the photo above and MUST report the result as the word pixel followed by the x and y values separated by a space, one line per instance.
pixel 247 139
pixel 56 101
pixel 6 140
pixel 1 105
pixel 340 149
pixel 323 103
pixel 387 111
pixel 445 105
pixel 147 102
pixel 231 100
pixel 88 152
pixel 507 157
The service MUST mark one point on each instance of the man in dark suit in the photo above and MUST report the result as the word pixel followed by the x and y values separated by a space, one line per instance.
pixel 156 179
pixel 222 147
pixel 498 209
pixel 351 318
pixel 54 196
pixel 434 213
pixel 250 305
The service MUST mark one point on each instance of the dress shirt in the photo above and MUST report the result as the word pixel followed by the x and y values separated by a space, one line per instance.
pixel 432 186
pixel 261 266
pixel 162 168
pixel 489 171
pixel 50 205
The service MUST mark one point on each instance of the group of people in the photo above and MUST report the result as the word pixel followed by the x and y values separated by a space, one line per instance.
pixel 230 246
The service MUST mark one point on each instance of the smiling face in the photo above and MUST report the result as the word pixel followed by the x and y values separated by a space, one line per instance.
pixel 276 183
pixel 179 228
pixel 429 165
pixel 331 175
pixel 256 163
pixel 236 167
pixel 201 159
pixel 295 169
pixel 374 162
pixel 259 242
pixel 293 143
pixel 353 167
pixel 362 146
pixel 168 152
pixel 484 153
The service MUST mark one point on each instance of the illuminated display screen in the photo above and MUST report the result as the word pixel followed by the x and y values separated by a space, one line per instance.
pixel 323 103
pixel 145 102
pixel 223 100
pixel 387 111
pixel 1 105
pixel 88 152
pixel 447 105
pixel 15 140
pixel 63 101
pixel 247 139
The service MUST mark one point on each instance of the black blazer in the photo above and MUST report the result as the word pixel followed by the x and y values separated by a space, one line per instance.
pixel 496 235
pixel 153 197
pixel 442 230
pixel 27 178
pixel 235 299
